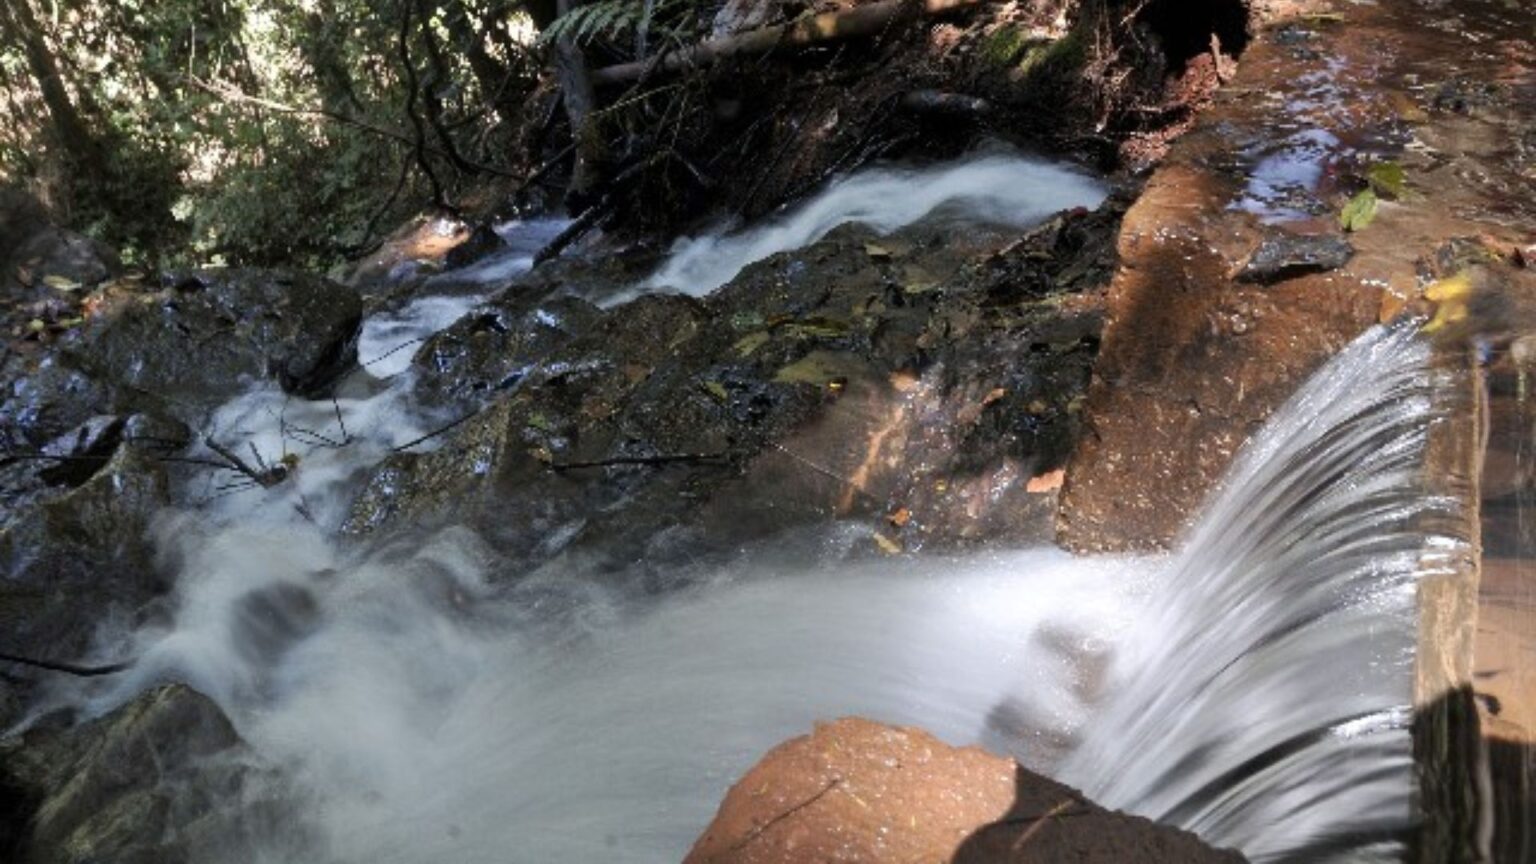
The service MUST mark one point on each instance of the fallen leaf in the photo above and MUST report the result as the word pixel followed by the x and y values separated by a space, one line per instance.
pixel 996 394
pixel 818 367
pixel 717 390
pixel 886 544
pixel 900 518
pixel 1387 179
pixel 749 343
pixel 1359 212
pixel 36 325
pixel 875 250
pixel 59 283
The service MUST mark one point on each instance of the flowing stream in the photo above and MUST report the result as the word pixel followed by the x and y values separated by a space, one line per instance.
pixel 1253 687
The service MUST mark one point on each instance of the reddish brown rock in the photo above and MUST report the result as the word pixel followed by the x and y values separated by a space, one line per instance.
pixel 1193 358
pixel 858 791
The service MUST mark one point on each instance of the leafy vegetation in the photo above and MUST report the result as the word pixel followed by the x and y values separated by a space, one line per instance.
pixel 247 130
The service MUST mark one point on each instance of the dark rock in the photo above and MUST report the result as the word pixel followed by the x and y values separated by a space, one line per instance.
pixel 481 243
pixel 826 383
pixel 190 346
pixel 1467 96
pixel 71 560
pixel 47 401
pixel 163 780
pixel 495 347
pixel 856 790
pixel 1283 256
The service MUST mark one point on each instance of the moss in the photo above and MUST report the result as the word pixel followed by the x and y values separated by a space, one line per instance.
pixel 1017 51
pixel 1003 46
pixel 1059 57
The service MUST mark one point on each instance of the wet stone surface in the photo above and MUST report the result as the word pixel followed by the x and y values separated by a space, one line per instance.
pixel 1213 321
pixel 150 784
pixel 908 382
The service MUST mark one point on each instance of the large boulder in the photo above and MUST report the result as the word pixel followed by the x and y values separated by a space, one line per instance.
pixel 198 340
pixel 856 790
pixel 163 780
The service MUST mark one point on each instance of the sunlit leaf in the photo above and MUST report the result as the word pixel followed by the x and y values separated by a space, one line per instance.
pixel 1387 178
pixel 59 283
pixel 1359 212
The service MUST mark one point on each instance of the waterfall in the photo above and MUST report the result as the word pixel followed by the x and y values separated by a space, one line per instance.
pixel 1265 698
pixel 422 710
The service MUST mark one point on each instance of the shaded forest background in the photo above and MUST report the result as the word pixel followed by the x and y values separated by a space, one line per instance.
pixel 258 130
pixel 301 132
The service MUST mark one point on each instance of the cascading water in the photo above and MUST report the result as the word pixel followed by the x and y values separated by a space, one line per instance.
pixel 1264 700
pixel 1258 691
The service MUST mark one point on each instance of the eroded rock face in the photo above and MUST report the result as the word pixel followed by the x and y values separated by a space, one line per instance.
pixel 75 557
pixel 855 790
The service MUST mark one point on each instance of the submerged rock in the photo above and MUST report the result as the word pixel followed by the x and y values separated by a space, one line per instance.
pixel 855 790
pixel 1283 256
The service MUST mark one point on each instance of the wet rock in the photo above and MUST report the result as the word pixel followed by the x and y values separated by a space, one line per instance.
pixel 154 781
pixel 480 243
pixel 1466 96
pixel 190 346
pixel 1282 255
pixel 936 377
pixel 495 347
pixel 46 401
pixel 75 559
pixel 857 790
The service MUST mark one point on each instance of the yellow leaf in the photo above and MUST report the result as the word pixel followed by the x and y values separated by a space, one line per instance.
pixel 746 345
pixel 59 283
pixel 1451 295
pixel 818 367
pixel 886 544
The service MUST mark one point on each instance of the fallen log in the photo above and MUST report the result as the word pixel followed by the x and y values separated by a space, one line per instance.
pixel 860 21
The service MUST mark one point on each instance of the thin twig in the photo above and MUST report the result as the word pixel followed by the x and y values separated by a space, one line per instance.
pixel 66 668
pixel 664 459
pixel 436 432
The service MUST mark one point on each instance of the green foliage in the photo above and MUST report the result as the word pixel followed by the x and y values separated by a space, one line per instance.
pixel 257 130
pixel 1359 212
pixel 615 19
pixel 1387 178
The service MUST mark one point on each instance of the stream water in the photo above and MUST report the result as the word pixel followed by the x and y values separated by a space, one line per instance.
pixel 1254 687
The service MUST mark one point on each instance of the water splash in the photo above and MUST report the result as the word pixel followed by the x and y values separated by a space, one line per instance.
pixel 1263 701
pixel 1002 190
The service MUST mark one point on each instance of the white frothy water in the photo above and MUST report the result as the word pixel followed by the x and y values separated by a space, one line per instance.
pixel 425 726
pixel 426 707
pixel 1263 700
pixel 1002 190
